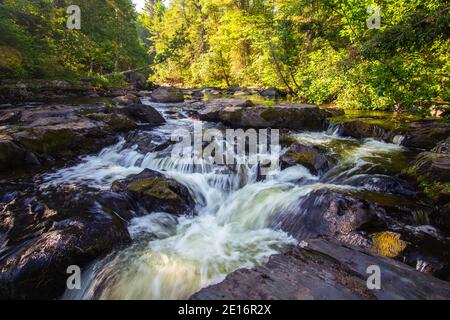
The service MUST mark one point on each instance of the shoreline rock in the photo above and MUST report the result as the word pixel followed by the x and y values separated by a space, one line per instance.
pixel 326 270
pixel 45 133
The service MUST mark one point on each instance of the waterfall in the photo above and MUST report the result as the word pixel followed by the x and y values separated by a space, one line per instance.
pixel 174 257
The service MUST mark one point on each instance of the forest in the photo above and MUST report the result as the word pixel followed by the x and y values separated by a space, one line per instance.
pixel 319 51
pixel 224 150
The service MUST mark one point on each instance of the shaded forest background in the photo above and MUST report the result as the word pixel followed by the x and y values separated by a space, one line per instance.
pixel 320 51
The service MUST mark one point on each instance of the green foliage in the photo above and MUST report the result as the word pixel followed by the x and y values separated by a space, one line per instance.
pixel 35 38
pixel 320 51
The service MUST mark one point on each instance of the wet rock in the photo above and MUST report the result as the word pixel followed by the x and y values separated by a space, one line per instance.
pixel 335 112
pixel 426 134
pixel 13 155
pixel 295 117
pixel 8 117
pixel 325 270
pixel 325 213
pixel 58 131
pixel 118 93
pixel 362 130
pixel 310 157
pixel 210 110
pixel 65 139
pixel 14 91
pixel 167 94
pixel 142 114
pixel 117 122
pixel 156 192
pixel 443 147
pixel 273 93
pixel 146 142
pixel 46 231
pixel 433 166
pixel 128 99
pixel 381 183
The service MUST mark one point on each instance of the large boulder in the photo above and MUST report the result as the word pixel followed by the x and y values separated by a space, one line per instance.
pixel 326 213
pixel 167 94
pixel 381 183
pixel 209 111
pixel 13 155
pixel 65 139
pixel 46 230
pixel 59 131
pixel 142 114
pixel 273 93
pixel 433 166
pixel 312 158
pixel 325 270
pixel 127 99
pixel 361 130
pixel 156 193
pixel 288 116
pixel 426 134
pixel 117 122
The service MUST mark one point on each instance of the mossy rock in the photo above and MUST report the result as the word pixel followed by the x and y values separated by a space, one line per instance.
pixel 157 187
pixel 156 193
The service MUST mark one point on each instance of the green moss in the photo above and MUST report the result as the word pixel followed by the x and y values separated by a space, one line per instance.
pixel 430 188
pixel 157 187
pixel 269 103
pixel 433 188
pixel 301 157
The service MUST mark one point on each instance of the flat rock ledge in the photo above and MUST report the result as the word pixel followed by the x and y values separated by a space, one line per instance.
pixel 325 270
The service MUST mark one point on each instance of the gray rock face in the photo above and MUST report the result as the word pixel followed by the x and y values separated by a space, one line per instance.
pixel 167 94
pixel 325 270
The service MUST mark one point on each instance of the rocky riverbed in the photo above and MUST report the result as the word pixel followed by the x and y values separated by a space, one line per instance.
pixel 87 180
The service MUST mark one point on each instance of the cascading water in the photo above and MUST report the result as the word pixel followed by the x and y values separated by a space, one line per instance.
pixel 172 258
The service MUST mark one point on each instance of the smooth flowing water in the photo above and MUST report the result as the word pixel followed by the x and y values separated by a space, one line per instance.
pixel 174 257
